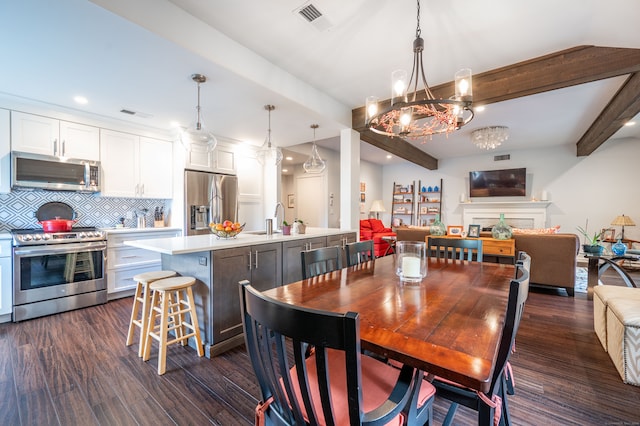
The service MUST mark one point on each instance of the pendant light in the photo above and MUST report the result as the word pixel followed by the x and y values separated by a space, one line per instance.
pixel 197 133
pixel 269 154
pixel 314 164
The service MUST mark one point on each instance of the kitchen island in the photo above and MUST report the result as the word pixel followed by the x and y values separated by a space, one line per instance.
pixel 267 261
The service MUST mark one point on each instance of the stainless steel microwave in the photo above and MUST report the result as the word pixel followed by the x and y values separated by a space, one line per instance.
pixel 29 171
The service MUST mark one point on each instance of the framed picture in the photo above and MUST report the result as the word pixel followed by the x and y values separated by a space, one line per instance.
pixel 423 210
pixel 362 197
pixel 609 234
pixel 363 187
pixel 291 201
pixel 474 231
pixel 455 230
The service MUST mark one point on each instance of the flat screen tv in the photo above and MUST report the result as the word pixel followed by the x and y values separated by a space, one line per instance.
pixel 498 183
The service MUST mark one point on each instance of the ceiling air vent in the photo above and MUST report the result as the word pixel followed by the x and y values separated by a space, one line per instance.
pixel 501 157
pixel 136 113
pixel 311 14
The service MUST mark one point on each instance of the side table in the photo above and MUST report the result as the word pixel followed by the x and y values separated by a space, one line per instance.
pixel 391 243
pixel 599 264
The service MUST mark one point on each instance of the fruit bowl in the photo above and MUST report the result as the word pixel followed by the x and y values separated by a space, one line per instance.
pixel 226 229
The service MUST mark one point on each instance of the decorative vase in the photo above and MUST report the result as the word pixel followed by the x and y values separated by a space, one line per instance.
pixel 437 228
pixel 619 248
pixel 501 231
pixel 594 249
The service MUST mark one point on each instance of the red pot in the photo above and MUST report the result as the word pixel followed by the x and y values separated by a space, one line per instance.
pixel 57 225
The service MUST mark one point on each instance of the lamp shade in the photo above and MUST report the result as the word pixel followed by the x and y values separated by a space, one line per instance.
pixel 623 221
pixel 377 206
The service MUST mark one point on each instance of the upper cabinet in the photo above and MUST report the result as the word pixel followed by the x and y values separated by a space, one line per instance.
pixel 135 166
pixel 49 136
pixel 220 160
pixel 5 148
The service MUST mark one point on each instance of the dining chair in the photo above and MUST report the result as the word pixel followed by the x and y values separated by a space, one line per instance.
pixel 493 403
pixel 320 261
pixel 336 385
pixel 454 248
pixel 359 252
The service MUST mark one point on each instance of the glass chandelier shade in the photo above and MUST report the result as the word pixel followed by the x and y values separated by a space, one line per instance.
pixel 414 111
pixel 268 153
pixel 315 164
pixel 197 133
pixel 490 137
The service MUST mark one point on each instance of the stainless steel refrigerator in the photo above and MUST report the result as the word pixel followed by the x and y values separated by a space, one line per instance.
pixel 209 197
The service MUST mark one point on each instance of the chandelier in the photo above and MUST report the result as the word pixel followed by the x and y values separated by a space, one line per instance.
pixel 315 164
pixel 490 137
pixel 268 153
pixel 417 113
pixel 197 133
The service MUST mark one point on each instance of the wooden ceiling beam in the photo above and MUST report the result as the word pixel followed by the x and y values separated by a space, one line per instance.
pixel 565 68
pixel 623 107
pixel 400 148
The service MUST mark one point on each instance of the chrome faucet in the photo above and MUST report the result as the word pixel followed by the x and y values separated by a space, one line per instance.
pixel 275 214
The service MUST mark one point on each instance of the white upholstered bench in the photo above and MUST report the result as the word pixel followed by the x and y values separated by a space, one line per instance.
pixel 623 337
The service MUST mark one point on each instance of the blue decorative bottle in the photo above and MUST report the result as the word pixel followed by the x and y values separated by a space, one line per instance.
pixel 619 248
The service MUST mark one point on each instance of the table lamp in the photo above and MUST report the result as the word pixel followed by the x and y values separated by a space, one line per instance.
pixel 623 221
pixel 377 207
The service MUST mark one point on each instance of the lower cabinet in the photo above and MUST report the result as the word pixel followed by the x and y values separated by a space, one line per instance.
pixel 342 240
pixel 291 261
pixel 125 262
pixel 6 281
pixel 260 264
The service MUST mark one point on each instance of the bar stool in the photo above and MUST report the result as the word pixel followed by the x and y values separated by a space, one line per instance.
pixel 172 298
pixel 141 301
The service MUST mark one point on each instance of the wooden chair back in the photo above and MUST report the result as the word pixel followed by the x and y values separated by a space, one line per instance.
pixel 455 248
pixel 320 261
pixel 518 293
pixel 360 252
pixel 299 390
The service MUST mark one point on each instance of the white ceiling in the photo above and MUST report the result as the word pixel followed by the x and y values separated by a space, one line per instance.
pixel 139 55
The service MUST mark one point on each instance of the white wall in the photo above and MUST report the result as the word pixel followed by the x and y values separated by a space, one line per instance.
pixel 598 187
pixel 371 175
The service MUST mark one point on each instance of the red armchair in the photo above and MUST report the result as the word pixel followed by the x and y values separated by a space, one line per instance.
pixel 373 229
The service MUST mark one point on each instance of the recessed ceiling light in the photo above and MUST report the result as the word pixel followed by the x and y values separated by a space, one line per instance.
pixel 630 123
pixel 81 100
pixel 174 124
pixel 478 108
pixel 288 158
pixel 285 170
pixel 389 157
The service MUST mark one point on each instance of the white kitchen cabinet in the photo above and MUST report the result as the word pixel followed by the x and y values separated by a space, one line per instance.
pixel 5 150
pixel 6 281
pixel 221 160
pixel 49 136
pixel 125 262
pixel 135 166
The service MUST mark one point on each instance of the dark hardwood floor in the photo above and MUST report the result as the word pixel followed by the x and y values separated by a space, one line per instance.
pixel 74 369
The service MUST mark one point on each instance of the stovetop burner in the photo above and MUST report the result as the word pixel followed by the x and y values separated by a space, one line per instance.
pixel 37 236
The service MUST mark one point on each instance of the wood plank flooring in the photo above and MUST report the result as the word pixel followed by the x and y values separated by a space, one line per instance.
pixel 74 369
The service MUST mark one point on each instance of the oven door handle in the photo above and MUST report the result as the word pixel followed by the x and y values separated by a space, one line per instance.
pixel 59 248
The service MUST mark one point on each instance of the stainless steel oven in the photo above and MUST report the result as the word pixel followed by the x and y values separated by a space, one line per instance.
pixel 56 272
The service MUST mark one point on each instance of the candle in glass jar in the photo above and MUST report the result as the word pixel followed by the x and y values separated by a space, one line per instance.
pixel 411 266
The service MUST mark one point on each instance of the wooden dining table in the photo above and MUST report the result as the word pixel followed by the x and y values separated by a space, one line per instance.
pixel 448 325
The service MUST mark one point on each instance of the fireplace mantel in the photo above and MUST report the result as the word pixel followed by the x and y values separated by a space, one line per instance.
pixel 519 214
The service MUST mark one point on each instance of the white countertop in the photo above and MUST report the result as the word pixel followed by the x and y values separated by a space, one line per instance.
pixel 199 243
pixel 129 230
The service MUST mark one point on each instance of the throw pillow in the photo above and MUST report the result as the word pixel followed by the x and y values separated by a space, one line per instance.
pixel 377 225
pixel 554 230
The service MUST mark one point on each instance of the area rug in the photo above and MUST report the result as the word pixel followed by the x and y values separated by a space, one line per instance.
pixel 581 280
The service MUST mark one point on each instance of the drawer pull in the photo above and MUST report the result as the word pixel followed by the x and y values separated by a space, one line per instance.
pixel 129 257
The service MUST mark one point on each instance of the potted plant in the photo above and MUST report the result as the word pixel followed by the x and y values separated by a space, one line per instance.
pixel 300 226
pixel 286 228
pixel 591 241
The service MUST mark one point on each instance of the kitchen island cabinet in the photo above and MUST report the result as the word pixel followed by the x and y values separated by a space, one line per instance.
pixel 219 264
pixel 291 261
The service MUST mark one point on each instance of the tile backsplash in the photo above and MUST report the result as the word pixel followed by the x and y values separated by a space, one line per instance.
pixel 18 208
